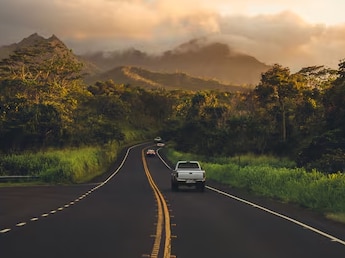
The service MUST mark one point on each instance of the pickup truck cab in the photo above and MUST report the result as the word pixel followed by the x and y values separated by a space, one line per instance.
pixel 188 173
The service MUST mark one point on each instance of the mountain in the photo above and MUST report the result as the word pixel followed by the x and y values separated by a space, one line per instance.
pixel 31 41
pixel 196 58
pixel 140 77
pixel 196 65
pixel 47 49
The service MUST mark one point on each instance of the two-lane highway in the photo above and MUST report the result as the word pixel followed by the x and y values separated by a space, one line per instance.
pixel 218 224
pixel 134 213
pixel 115 219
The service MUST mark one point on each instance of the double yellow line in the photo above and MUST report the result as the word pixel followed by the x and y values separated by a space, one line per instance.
pixel 163 218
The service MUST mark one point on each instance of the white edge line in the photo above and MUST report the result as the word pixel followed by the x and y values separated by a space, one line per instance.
pixel 84 195
pixel 332 238
pixel 120 166
pixel 160 157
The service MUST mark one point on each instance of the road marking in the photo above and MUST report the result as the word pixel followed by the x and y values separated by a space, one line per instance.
pixel 21 224
pixel 332 238
pixel 163 217
pixel 5 230
pixel 96 186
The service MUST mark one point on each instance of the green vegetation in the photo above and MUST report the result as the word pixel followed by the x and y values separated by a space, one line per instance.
pixel 299 116
pixel 274 178
pixel 54 125
pixel 61 166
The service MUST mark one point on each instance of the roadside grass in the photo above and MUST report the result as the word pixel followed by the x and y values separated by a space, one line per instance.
pixel 278 179
pixel 61 166
pixel 65 166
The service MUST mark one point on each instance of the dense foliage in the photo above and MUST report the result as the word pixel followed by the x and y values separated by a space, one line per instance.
pixel 294 115
pixel 44 104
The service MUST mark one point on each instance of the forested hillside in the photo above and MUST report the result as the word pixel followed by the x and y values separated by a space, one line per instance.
pixel 197 58
pixel 45 104
pixel 153 80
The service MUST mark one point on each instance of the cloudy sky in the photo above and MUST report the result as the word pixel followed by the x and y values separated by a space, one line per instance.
pixel 293 33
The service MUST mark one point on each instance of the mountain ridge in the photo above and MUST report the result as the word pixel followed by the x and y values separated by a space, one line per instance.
pixel 193 65
pixel 140 77
pixel 197 58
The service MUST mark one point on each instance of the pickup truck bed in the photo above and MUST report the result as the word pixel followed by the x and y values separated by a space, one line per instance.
pixel 188 173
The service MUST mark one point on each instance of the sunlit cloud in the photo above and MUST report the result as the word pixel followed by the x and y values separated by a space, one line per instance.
pixel 293 33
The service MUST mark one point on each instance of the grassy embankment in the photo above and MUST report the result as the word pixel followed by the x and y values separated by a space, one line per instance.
pixel 60 166
pixel 278 179
pixel 65 166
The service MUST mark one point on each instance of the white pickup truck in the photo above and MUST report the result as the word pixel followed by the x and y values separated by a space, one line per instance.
pixel 188 173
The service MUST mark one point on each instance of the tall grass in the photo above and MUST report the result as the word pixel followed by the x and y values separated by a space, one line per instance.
pixel 63 166
pixel 276 178
pixel 68 165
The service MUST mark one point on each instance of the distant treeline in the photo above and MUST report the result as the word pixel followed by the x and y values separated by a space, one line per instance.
pixel 44 103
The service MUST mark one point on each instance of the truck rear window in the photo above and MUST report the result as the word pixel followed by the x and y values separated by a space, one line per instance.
pixel 188 165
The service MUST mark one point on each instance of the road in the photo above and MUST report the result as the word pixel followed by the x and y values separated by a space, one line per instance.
pixel 132 212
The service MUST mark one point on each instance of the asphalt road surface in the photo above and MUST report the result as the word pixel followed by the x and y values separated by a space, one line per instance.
pixel 132 212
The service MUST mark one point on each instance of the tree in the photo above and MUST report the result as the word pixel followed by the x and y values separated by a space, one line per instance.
pixel 45 78
pixel 317 77
pixel 334 101
pixel 274 95
pixel 326 151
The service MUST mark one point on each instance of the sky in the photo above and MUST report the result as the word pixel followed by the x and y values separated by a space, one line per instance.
pixel 293 33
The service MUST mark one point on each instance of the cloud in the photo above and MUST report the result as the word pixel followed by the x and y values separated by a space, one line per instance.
pixel 281 38
pixel 271 31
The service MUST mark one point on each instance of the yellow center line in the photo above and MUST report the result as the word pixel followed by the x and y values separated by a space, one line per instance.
pixel 162 211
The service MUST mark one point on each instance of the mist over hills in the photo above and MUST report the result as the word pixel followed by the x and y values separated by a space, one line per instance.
pixel 195 65
pixel 195 58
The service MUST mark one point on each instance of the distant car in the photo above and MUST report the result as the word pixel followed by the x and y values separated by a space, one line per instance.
pixel 151 153
pixel 160 144
pixel 157 139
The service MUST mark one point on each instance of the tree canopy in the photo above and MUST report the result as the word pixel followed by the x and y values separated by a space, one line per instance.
pixel 45 103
